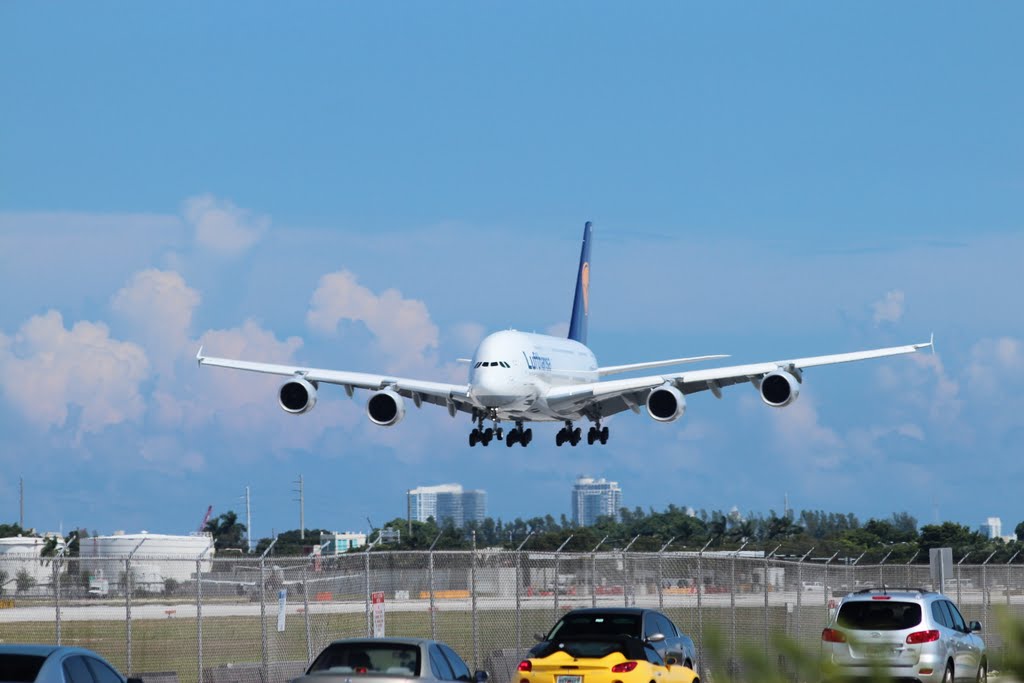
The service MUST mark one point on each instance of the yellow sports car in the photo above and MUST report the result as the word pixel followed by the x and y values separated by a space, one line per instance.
pixel 597 659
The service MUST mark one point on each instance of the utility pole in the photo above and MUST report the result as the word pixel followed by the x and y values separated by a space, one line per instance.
pixel 248 521
pixel 21 498
pixel 302 508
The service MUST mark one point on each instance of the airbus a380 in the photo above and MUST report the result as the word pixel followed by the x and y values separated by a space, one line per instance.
pixel 520 377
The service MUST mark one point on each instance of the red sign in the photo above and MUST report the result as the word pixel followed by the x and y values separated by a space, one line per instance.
pixel 377 597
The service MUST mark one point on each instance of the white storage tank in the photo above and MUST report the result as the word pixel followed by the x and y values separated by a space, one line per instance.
pixel 158 558
pixel 19 553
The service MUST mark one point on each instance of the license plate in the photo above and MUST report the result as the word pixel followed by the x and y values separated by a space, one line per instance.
pixel 880 650
pixel 569 679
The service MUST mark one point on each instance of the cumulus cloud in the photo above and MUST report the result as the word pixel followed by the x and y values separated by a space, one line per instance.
pixel 994 363
pixel 468 335
pixel 558 330
pixel 158 305
pixel 221 226
pixel 890 308
pixel 402 327
pixel 166 454
pixel 47 369
pixel 801 434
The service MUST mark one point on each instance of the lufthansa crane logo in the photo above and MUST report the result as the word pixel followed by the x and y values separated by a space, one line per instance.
pixel 585 279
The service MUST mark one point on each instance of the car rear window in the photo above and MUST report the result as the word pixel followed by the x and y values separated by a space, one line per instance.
pixel 593 648
pixel 20 668
pixel 397 659
pixel 879 615
pixel 596 624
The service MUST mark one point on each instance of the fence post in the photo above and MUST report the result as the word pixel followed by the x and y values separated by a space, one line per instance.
pixel 732 611
pixel 909 562
pixel 430 587
pixel 881 573
pixel 958 580
pixel 519 611
pixel 472 594
pixel 800 590
pixel 593 572
pixel 1009 578
pixel 56 594
pixel 767 559
pixel 199 620
pixel 128 587
pixel 700 608
pixel 264 643
pixel 661 577
pixel 626 583
pixel 305 616
pixel 558 565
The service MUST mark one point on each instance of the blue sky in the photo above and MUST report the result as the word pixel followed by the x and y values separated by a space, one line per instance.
pixel 765 181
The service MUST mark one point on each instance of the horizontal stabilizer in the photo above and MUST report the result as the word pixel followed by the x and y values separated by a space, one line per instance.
pixel 616 369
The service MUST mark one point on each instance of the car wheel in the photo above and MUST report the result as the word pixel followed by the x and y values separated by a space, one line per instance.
pixel 983 673
pixel 947 677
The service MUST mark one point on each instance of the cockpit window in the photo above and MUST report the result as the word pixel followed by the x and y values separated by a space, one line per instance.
pixel 505 365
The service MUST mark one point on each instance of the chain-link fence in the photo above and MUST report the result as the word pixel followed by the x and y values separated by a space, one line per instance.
pixel 255 620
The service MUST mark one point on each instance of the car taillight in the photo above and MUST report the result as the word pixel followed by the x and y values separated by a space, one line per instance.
pixel 623 668
pixel 525 665
pixel 922 637
pixel 830 635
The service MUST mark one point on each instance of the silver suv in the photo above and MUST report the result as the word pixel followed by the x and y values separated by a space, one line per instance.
pixel 904 633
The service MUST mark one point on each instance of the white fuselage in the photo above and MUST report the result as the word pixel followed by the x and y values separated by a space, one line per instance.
pixel 512 371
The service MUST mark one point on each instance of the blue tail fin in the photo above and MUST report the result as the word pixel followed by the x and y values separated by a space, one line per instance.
pixel 581 302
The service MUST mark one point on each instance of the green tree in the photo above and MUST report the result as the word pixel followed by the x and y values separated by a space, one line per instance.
pixel 1019 530
pixel 949 535
pixel 7 530
pixel 3 581
pixel 24 581
pixel 227 531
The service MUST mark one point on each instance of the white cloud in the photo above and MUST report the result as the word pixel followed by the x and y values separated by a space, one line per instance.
pixel 222 226
pixel 468 336
pixel 46 369
pixel 168 455
pixel 558 330
pixel 802 436
pixel 890 308
pixel 158 305
pixel 402 327
pixel 995 363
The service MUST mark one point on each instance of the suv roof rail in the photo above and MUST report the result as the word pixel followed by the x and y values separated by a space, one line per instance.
pixel 887 589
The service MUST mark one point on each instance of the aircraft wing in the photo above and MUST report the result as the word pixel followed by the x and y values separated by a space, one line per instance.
pixel 614 396
pixel 453 396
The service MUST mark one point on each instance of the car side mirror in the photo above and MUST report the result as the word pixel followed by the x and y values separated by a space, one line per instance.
pixel 655 637
pixel 480 676
pixel 974 626
pixel 538 637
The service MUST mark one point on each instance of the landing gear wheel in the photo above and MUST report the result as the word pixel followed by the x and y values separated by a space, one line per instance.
pixel 525 438
pixel 512 438
pixel 603 436
pixel 499 432
pixel 577 436
pixel 473 436
pixel 591 436
pixel 560 437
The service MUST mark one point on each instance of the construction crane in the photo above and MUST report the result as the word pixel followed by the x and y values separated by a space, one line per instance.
pixel 206 519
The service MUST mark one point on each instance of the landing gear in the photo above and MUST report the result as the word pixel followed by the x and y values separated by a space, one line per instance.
pixel 597 433
pixel 568 435
pixel 484 436
pixel 518 435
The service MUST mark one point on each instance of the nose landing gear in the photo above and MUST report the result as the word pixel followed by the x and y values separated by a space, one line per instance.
pixel 484 436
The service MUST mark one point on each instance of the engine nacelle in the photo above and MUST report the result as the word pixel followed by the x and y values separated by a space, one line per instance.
pixel 779 388
pixel 666 403
pixel 385 408
pixel 297 396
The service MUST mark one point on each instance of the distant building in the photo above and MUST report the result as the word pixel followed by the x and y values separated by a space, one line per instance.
pixel 993 529
pixel 339 543
pixel 593 498
pixel 447 502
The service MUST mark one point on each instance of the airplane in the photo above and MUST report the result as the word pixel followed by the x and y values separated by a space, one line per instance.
pixel 522 377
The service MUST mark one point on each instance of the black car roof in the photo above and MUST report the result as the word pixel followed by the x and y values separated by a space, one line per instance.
pixel 610 610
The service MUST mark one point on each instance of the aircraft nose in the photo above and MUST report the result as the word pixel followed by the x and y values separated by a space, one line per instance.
pixel 492 389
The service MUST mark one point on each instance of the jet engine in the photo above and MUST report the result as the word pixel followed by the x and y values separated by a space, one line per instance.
pixel 385 408
pixel 779 388
pixel 666 403
pixel 297 396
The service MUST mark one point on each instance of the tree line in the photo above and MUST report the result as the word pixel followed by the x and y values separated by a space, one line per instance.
pixel 816 534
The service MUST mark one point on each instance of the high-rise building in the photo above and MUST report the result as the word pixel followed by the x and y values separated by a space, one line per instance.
pixel 593 498
pixel 447 502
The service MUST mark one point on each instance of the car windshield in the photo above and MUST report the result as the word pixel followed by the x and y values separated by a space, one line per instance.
pixel 879 615
pixel 397 659
pixel 20 668
pixel 593 647
pixel 596 624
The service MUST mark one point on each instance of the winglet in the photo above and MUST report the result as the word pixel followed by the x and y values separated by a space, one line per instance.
pixel 199 355
pixel 929 345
